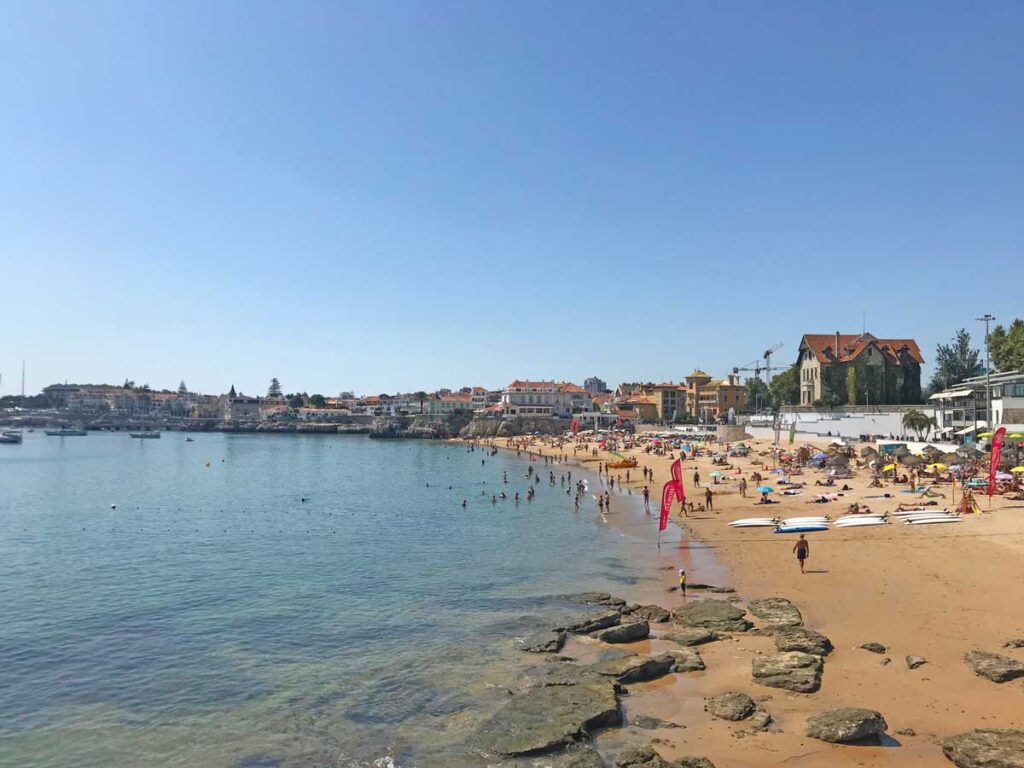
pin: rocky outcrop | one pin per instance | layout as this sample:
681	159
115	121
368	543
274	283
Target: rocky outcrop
624	633
846	724
1017	642
542	642
584	625
986	748
689	637
491	426
646	757
994	667
584	757
731	706
635	668
548	718
803	640
716	615
794	671
420	426
651	723
776	611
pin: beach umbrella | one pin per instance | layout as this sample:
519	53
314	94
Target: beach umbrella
1017	469
888	467
819	456
716	473
838	461
1016	436
765	489
868	451
901	451
913	461
937	466
949	458
1004	476
984	434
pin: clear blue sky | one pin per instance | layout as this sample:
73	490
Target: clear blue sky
395	196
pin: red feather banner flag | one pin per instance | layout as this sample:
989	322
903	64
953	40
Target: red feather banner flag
668	494
997	452
677	479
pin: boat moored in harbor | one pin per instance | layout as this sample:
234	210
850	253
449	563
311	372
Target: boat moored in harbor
147	434
66	432
10	437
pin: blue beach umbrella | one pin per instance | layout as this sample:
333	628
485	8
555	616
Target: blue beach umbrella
765	489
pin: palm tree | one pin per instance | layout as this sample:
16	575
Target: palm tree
918	422
422	397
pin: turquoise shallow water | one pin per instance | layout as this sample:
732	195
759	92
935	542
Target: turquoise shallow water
213	618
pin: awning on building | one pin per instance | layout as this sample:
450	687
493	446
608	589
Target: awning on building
952	394
967	430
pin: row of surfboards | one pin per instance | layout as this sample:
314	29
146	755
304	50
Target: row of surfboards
921	516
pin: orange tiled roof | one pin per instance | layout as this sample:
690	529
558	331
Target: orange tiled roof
852	346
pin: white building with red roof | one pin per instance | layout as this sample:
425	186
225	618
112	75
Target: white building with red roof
544	399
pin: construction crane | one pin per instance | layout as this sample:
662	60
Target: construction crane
754	366
768	362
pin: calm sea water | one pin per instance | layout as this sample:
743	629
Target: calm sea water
216	619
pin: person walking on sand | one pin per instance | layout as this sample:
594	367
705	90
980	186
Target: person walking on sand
696	479
743	487
682	582
647	500
803	551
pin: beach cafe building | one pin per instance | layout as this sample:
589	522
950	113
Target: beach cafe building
962	411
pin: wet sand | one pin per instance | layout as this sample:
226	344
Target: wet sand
932	591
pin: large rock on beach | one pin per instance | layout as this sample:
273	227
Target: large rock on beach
584	625
846	724
584	757
731	706
641	757
548	718
688	637
793	671
542	642
803	640
686	660
913	662
624	633
716	615
986	748
874	647
635	668
994	667
653	613
651	723
776	611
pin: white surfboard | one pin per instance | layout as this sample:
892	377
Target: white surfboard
862	523
930	520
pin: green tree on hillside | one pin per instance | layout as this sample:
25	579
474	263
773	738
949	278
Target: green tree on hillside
955	362
1006	347
274	390
182	389
759	396
318	401
785	387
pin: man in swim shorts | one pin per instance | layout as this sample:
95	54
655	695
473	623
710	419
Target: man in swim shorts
803	551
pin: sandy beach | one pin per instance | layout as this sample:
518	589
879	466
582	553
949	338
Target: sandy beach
932	591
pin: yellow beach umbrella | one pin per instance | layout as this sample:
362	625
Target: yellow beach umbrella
888	467
1016	436
984	434
1017	469
939	466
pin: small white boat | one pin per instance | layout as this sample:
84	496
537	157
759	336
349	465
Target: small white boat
12	437
66	432
801	528
147	434
862	523
755	522
930	520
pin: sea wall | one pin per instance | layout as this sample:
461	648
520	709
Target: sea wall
421	426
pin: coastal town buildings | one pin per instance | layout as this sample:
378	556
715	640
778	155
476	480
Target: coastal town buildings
710	399
668	400
962	410
849	369
595	386
544	399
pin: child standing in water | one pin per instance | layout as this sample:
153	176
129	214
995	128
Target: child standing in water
682	582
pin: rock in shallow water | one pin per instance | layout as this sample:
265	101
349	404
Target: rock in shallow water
543	719
994	667
687	637
651	723
716	615
986	748
653	613
584	625
795	671
624	633
846	724
635	668
542	642
686	660
646	757
802	639
731	706
777	611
